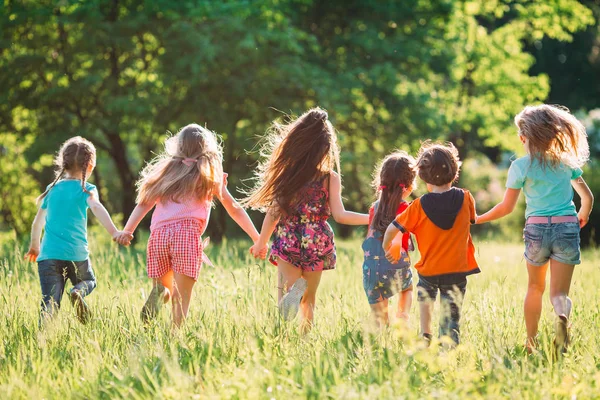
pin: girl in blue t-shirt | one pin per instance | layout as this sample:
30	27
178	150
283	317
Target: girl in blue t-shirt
63	213
557	148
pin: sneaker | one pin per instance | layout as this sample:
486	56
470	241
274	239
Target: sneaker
81	307
153	303
561	329
427	338
290	302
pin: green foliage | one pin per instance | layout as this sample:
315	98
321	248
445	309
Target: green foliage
234	345
391	73
18	189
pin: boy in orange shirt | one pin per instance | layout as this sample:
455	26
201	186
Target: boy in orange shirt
441	221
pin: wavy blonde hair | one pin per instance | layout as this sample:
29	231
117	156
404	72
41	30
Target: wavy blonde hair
189	168
294	154
554	136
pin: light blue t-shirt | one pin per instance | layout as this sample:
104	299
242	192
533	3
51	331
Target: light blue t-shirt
65	236
548	191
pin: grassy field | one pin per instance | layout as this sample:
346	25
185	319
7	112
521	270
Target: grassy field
235	346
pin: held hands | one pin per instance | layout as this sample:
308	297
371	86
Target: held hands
32	254
123	238
259	251
394	251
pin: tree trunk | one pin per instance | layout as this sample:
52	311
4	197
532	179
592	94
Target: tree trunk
119	155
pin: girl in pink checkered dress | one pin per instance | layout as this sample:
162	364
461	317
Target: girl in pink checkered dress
181	183
298	188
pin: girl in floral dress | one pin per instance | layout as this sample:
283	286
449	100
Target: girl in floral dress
298	188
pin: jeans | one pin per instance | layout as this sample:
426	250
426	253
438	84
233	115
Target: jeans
557	241
452	292
54	275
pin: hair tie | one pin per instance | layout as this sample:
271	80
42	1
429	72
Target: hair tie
189	161
402	186
381	187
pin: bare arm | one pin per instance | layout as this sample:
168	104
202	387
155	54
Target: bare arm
36	233
237	213
340	215
587	200
137	215
269	223
100	212
505	207
390	234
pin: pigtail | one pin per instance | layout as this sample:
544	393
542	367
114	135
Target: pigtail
75	154
84	167
395	174
60	174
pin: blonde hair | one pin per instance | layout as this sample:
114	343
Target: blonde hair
189	168
554	136
295	154
75	155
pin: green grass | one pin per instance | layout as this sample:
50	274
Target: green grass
235	346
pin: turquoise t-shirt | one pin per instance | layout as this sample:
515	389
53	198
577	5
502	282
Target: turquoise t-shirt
548	191
65	236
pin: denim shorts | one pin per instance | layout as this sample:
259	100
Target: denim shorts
559	242
380	286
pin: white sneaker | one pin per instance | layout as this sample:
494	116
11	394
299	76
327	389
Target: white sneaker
290	302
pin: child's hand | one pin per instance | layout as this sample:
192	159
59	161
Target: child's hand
123	238
583	219
394	252
259	251
32	254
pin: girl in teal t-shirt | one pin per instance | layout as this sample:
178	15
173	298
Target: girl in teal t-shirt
63	253
557	148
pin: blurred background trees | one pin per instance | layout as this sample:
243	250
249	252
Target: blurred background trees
391	74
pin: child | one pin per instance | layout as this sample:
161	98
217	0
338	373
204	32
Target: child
63	213
181	183
441	221
299	189
557	148
394	182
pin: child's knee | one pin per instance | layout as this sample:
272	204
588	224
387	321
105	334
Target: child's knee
536	287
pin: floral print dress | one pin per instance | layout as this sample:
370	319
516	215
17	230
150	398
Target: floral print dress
304	238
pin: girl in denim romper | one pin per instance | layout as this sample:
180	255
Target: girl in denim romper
556	143
394	182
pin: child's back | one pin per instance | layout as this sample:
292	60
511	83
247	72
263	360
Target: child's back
441	223
65	235
547	189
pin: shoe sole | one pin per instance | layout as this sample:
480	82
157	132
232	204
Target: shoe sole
81	307
290	302
153	303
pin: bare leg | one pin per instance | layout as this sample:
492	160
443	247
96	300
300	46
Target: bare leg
379	311
533	301
560	283
404	304
426	309
182	293
287	276
167	281
307	304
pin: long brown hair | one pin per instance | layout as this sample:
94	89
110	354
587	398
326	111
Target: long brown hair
395	173
294	154
75	155
189	168
554	136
